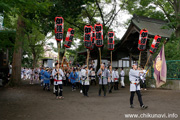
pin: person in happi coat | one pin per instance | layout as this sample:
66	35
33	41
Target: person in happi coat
143	79
122	74
47	76
42	75
58	75
104	77
134	75
85	72
111	83
72	78
116	79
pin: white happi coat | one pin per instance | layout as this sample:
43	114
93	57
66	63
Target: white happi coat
60	76
122	73
111	76
31	73
134	79
85	77
115	76
143	76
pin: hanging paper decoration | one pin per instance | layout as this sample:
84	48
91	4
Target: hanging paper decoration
142	39
99	34
59	28
93	40
155	44
111	40
88	36
69	37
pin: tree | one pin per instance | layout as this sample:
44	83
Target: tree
26	16
35	45
160	9
42	16
96	11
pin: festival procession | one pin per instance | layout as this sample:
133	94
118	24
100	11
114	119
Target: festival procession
92	59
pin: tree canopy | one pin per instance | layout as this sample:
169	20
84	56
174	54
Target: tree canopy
30	21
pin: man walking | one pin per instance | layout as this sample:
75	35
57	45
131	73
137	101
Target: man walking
134	75
104	78
58	75
122	78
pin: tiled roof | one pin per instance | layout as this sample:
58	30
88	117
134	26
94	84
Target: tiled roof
154	26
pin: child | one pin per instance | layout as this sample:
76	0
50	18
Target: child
46	79
72	78
31	75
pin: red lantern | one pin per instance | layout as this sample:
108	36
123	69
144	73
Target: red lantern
59	28
69	37
88	36
155	44
142	39
111	40
99	34
93	40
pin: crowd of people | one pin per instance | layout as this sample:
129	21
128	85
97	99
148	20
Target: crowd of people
82	77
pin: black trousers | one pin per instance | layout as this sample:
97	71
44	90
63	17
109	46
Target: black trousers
143	84
116	85
93	80
78	85
60	86
65	82
85	90
52	81
111	85
103	87
46	85
74	85
139	97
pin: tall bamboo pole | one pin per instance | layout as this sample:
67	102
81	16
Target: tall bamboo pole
58	57
111	64
63	57
147	61
87	62
111	61
100	54
139	62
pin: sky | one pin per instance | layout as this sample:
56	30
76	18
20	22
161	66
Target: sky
117	26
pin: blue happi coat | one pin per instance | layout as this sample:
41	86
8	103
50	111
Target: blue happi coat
42	74
46	77
73	77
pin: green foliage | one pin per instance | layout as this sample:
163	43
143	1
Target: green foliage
81	59
171	49
7	39
160	9
148	8
34	45
173	68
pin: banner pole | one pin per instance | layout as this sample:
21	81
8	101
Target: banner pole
63	57
87	62
58	56
147	61
111	60
100	54
139	62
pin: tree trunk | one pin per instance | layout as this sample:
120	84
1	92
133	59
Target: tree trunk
177	32
34	60
177	12
17	54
